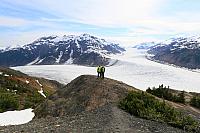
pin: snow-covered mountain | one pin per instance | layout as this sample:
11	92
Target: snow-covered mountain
184	52
83	50
145	45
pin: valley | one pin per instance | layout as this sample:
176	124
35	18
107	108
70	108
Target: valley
132	68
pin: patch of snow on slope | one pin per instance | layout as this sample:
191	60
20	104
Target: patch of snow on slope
69	37
16	117
166	42
33	62
42	92
76	42
70	60
1	73
6	75
27	82
40	61
59	57
38	83
57	39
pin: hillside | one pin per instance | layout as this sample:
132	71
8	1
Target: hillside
82	50
85	93
19	91
89	104
184	52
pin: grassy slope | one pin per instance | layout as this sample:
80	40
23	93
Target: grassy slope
16	93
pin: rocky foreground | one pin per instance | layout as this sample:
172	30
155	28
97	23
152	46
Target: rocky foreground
88	104
108	118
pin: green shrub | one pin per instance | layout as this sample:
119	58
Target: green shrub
33	99
8	101
145	106
180	98
164	92
195	101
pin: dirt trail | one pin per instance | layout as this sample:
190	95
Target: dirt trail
119	122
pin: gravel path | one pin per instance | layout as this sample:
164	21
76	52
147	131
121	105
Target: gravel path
108	118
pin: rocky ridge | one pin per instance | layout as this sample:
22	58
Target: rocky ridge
89	104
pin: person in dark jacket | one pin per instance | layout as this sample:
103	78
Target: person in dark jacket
102	71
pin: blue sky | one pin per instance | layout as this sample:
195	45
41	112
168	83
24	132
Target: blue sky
123	21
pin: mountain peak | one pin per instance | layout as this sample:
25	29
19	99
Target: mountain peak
85	34
47	38
82	50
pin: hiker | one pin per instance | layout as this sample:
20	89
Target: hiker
99	71
102	71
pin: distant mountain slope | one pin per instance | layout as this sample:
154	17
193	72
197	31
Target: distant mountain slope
19	91
184	52
83	50
145	45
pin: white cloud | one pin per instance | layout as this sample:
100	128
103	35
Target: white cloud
117	12
97	12
112	13
142	18
106	13
12	22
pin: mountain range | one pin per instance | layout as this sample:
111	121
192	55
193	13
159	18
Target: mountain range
183	52
82	50
145	45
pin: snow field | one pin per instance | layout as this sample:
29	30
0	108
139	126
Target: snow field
16	117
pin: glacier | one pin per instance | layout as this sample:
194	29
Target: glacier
131	68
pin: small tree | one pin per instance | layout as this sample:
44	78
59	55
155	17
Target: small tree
195	101
165	93
181	97
148	90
